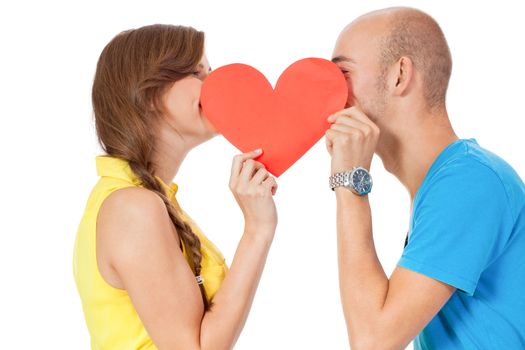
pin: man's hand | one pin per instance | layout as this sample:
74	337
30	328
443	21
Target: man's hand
351	140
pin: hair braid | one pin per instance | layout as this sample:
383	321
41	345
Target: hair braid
134	70
190	240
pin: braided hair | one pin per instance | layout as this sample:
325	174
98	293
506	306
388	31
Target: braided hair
133	72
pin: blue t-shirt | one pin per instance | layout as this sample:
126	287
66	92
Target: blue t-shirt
467	229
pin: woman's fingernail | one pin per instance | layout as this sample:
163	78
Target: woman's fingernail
258	150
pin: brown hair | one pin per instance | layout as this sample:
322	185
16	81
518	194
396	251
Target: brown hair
134	71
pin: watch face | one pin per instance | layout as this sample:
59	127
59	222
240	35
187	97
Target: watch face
361	181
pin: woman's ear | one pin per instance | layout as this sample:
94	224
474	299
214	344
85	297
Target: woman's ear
402	75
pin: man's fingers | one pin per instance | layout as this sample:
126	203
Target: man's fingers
344	112
331	136
355	118
353	113
350	122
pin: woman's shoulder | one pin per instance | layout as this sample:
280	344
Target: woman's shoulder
130	207
136	217
132	200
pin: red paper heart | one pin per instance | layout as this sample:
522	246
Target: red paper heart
285	122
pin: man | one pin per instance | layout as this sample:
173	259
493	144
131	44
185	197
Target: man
460	281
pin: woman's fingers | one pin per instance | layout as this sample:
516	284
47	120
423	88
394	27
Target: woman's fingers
271	184
247	172
239	159
249	168
260	176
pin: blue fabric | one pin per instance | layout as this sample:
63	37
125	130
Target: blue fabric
467	229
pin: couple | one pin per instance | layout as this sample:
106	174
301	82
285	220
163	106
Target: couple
149	279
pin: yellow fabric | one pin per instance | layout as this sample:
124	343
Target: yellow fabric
112	321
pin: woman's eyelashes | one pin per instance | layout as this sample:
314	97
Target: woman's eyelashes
200	73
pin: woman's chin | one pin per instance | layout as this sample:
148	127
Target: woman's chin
210	133
214	133
209	126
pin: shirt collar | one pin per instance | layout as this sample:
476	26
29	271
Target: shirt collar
119	168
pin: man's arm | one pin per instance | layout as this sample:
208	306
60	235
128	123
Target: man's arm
380	313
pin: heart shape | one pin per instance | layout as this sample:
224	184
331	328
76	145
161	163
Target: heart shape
286	122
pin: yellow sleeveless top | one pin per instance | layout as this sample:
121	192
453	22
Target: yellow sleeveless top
112	321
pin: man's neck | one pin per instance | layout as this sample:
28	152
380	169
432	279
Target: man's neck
409	154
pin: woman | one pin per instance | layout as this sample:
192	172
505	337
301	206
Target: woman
147	277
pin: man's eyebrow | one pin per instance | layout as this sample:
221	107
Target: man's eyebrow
342	59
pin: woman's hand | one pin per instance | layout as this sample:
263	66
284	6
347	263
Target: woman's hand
253	188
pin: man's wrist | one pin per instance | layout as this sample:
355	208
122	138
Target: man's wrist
344	195
356	180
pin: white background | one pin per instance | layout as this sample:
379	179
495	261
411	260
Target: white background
48	56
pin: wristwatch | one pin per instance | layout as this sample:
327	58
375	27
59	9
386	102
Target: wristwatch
357	180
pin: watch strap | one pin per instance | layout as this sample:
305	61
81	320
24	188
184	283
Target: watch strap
338	179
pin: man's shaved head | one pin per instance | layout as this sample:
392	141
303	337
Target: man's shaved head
369	47
414	34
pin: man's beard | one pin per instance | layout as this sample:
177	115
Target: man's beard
375	106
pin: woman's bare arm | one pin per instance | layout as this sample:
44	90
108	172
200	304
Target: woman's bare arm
135	230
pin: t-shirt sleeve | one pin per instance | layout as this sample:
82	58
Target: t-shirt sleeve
456	224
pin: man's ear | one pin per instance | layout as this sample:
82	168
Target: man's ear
402	75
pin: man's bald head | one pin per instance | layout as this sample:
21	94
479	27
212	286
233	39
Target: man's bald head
414	34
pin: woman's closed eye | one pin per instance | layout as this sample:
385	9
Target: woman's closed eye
200	72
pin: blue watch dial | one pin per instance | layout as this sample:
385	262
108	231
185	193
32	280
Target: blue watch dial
362	182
